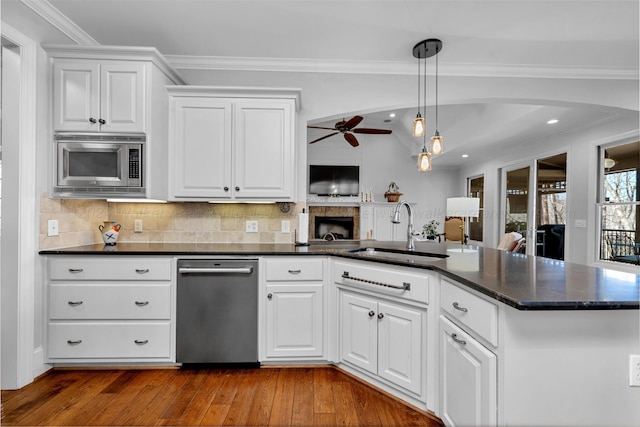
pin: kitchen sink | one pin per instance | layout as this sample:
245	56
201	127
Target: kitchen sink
397	254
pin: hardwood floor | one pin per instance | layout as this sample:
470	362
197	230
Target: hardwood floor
322	396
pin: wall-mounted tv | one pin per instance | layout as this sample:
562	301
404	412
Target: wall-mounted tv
330	180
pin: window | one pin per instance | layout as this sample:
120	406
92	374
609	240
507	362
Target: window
476	189
618	203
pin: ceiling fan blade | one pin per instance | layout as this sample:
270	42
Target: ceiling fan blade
372	131
320	127
351	139
324	137
353	122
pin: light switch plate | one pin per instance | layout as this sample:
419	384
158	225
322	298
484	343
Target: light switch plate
251	226
634	370
137	226
52	227
581	223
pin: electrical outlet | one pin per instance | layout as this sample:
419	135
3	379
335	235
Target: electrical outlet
285	226
52	227
581	223
251	226
137	226
634	370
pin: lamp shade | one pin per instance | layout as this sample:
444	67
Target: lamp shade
463	206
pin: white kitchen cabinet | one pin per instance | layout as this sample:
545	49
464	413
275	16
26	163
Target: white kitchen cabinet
383	338
231	144
468	369
382	325
468	379
110	309
99	96
292	302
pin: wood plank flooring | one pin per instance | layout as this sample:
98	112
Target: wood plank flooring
318	396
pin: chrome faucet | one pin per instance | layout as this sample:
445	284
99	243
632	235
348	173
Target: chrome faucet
396	220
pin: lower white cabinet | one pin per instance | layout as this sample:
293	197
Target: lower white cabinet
292	302
383	338
110	309
468	380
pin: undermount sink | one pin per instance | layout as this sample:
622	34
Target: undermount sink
397	254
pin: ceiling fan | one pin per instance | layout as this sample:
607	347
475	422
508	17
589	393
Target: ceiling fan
347	129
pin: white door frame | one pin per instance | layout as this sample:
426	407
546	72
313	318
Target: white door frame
531	201
19	237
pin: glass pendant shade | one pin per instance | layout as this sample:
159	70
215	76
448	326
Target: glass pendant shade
418	125
437	144
424	161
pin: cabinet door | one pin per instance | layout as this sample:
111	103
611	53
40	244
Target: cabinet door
400	345
468	379
294	321
263	150
76	95
201	141
359	331
122	97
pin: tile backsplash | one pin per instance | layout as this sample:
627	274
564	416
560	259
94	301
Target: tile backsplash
78	222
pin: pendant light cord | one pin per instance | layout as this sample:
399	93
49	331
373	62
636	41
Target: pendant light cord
425	96
437	89
418	84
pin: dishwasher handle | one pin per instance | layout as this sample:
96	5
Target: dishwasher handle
215	270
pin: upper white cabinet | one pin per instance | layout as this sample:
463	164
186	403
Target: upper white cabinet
98	96
232	143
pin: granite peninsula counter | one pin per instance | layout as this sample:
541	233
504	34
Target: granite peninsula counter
523	282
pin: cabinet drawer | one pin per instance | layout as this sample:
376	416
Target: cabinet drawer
109	268
109	340
88	301
294	270
371	276
470	310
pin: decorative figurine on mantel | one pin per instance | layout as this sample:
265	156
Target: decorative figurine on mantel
393	193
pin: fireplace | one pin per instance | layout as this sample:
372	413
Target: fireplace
334	222
334	227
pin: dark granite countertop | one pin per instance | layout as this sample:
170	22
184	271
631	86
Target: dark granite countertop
523	282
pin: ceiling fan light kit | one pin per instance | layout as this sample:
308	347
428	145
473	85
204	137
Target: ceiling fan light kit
423	50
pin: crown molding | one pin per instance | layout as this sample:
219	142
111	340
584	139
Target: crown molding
66	26
293	65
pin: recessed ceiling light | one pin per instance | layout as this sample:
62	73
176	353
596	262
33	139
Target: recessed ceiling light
552	121
465	156
392	115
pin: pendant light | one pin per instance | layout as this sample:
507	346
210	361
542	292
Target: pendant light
437	142
423	50
418	122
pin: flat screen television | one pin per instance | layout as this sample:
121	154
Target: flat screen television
329	180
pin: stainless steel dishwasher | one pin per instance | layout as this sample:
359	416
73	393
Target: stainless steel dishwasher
217	311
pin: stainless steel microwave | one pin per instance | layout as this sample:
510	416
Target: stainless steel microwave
99	165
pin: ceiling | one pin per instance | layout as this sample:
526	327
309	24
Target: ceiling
512	38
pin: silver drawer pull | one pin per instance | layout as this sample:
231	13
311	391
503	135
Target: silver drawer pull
74	342
76	270
405	285
142	270
142	303
141	342
295	271
457	307
456	339
74	303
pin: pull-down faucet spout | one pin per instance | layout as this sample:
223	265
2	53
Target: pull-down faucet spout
396	220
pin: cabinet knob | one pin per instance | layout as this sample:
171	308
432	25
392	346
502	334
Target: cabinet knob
92	120
456	339
237	188
457	307
269	296
141	342
142	303
380	315
226	188
74	303
74	342
371	313
102	121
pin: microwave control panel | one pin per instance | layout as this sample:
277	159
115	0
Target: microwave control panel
134	164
